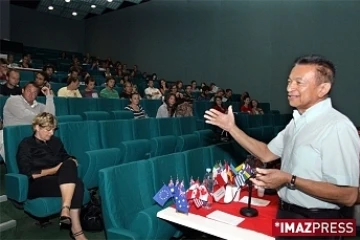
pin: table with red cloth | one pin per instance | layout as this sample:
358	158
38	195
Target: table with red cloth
259	227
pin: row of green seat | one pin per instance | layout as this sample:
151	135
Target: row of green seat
76	106
135	139
129	210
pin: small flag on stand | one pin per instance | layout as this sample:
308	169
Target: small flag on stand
181	202
163	195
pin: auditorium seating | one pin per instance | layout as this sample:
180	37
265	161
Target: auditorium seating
126	190
16	185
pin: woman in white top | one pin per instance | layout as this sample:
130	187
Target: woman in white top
168	108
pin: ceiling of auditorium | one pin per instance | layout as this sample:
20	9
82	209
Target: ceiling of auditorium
77	9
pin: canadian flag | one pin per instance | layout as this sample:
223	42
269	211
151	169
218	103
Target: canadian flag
191	194
222	178
204	195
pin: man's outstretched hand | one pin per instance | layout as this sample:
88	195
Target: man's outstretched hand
216	118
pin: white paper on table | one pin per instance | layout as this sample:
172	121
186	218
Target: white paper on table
231	194
225	218
255	201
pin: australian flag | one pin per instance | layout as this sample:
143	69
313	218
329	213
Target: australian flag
181	202
163	195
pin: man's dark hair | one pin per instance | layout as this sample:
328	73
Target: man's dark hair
71	80
325	68
228	90
44	74
109	78
205	88
30	83
48	66
88	80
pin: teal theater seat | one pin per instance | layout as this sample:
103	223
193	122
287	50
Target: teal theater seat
80	105
128	209
145	128
113	132
168	126
197	161
107	104
16	184
69	118
61	106
187	125
95	115
78	138
151	106
163	145
121	114
187	142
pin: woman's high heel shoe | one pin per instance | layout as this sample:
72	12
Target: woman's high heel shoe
74	235
64	220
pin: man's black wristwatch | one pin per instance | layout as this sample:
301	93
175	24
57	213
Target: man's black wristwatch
291	185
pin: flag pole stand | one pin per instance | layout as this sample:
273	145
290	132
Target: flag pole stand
249	211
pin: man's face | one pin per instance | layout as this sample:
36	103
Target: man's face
111	83
228	94
128	88
91	85
13	78
74	74
49	71
39	80
30	93
303	90
151	83
74	85
188	89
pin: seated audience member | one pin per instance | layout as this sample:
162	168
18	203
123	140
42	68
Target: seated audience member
151	92
11	86
89	91
71	90
107	73
135	90
10	60
244	95
255	109
163	87
168	108
25	62
219	93
41	80
228	95
179	86
175	91
21	109
194	87
187	92
121	82
135	107
213	88
128	90
49	69
109	91
204	96
247	106
3	69
218	105
74	73
52	172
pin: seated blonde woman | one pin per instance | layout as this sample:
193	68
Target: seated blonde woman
135	107
52	172
255	109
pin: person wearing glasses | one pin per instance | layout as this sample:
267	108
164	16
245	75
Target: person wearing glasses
52	172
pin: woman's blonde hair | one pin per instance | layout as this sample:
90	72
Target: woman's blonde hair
45	120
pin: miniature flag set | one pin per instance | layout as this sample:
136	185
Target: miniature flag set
220	185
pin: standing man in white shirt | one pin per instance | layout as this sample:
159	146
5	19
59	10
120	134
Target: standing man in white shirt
319	148
151	92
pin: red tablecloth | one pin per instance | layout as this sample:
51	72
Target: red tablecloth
262	223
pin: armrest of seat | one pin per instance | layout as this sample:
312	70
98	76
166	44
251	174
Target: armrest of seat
187	142
121	233
97	160
134	150
16	187
163	145
206	137
149	226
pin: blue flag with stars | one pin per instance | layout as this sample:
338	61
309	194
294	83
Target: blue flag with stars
181	202
163	195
